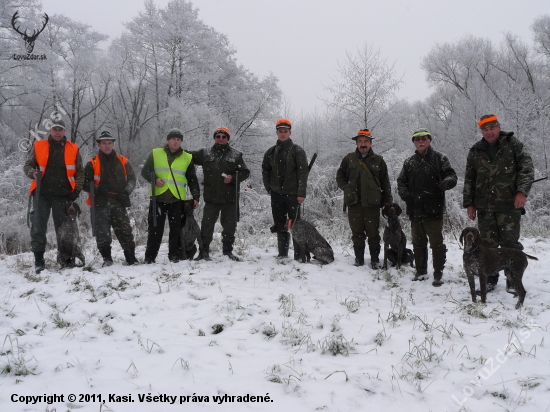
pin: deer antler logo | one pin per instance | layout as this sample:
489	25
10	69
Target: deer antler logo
29	40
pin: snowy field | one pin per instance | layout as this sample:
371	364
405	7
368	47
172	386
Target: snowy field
298	337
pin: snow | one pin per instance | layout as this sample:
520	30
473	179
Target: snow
148	330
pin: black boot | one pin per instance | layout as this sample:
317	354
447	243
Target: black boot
130	256
39	264
440	255
359	255
421	262
206	254
227	250
374	254
106	255
283	239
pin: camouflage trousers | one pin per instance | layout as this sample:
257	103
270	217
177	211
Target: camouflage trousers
364	223
424	229
500	228
228	221
38	231
114	215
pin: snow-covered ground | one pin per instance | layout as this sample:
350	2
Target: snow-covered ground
300	336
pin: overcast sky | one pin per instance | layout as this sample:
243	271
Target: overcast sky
302	41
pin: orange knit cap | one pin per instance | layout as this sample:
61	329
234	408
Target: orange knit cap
222	130
283	124
485	120
363	133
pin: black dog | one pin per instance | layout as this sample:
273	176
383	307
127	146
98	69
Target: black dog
395	241
480	261
68	238
309	240
189	232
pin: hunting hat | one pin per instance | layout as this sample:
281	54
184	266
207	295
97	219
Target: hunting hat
487	121
105	135
283	124
174	133
363	133
58	123
422	132
222	130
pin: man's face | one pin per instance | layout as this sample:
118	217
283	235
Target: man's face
363	145
422	143
57	133
106	146
491	134
220	138
174	143
283	134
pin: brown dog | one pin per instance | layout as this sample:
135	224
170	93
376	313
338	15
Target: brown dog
395	241
480	261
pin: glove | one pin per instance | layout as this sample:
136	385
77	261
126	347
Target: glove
74	195
445	185
123	198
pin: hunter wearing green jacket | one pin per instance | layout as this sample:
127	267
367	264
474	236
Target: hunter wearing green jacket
220	164
284	174
363	176
422	183
499	175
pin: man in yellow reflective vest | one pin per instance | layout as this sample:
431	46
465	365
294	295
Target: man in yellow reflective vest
174	174
114	180
60	165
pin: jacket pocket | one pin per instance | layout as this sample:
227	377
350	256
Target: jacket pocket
350	197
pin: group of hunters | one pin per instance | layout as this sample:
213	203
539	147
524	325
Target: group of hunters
498	178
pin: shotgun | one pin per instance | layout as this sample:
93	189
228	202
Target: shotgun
154	198
92	206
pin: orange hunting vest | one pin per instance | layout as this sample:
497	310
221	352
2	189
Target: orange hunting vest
42	152
97	172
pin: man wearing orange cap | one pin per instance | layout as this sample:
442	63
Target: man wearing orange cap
62	176
499	175
363	176
284	174
220	164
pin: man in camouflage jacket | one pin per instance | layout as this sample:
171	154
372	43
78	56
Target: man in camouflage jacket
220	164
114	181
422	183
363	176
499	175
284	173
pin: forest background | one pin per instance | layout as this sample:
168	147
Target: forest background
169	69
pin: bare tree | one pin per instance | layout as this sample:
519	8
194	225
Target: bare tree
365	89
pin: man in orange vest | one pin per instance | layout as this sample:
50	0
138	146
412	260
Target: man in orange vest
174	172
60	164
114	180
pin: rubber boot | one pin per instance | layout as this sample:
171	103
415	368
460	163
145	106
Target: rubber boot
106	255
39	264
228	251
374	256
421	262
283	239
359	255
439	258
206	254
130	256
